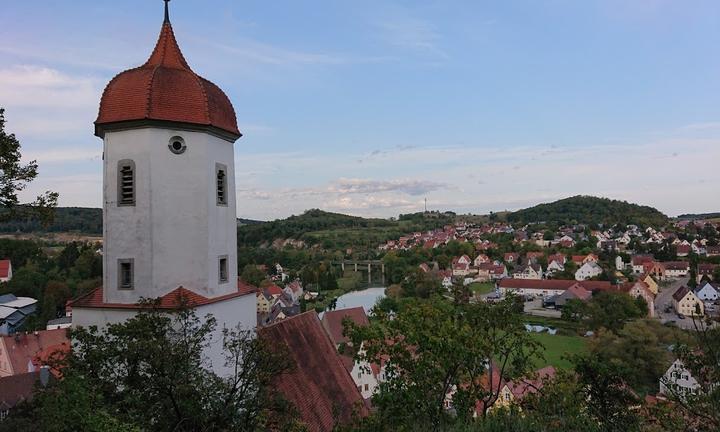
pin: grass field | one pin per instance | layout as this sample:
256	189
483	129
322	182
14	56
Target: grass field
482	287
556	347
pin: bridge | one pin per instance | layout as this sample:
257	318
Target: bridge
363	265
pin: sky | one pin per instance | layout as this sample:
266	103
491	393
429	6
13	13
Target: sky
369	108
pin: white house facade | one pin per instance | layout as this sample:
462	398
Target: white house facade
588	270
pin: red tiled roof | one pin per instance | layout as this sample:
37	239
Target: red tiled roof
681	293
333	322
554	284
319	386
165	89
525	386
4	268
171	300
17	388
36	347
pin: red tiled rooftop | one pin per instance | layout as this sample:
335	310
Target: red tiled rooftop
171	300
4	268
333	322
36	348
165	89
319	386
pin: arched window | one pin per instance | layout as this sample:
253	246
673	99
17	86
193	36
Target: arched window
221	181
126	183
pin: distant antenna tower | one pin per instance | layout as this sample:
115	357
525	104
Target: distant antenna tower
425	205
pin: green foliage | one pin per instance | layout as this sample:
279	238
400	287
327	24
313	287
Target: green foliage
640	350
149	373
605	309
590	210
434	346
252	275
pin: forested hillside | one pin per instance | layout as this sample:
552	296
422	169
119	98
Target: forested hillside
67	219
590	210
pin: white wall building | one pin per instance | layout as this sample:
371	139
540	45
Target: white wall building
588	270
678	380
169	208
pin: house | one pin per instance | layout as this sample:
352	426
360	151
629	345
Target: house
530	271
332	322
678	380
27	352
294	289
463	260
264	301
496	271
481	259
708	291
59	323
366	375
460	269
15	389
424	267
706	271
575	291
619	263
683	250
319	387
446	277
588	270
546	287
554	267
637	262
641	289
650	282
560	258
5	270
566	241
676	269
654	269
582	259
712	251
534	256
686	302
511	257
14	311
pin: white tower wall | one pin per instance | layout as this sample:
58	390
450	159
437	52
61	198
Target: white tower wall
176	232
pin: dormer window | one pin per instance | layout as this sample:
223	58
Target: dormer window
221	184
126	183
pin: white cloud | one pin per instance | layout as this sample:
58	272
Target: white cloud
37	86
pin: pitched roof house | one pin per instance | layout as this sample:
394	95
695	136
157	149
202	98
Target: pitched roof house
333	320
27	352
687	303
319	386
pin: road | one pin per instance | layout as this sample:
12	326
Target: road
664	299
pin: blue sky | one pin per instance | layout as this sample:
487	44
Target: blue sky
369	107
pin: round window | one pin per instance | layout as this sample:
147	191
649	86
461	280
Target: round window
177	145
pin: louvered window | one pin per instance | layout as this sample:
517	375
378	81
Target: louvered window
221	182
126	183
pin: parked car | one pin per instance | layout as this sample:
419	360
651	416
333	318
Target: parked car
681	316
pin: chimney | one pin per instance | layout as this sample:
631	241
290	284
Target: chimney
44	375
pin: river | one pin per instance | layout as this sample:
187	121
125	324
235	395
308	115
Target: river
365	298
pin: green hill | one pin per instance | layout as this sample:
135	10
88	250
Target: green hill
81	220
590	210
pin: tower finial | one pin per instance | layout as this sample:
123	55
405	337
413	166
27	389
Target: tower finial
167	13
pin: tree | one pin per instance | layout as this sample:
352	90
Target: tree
252	275
640	350
15	176
149	372
611	310
716	273
433	348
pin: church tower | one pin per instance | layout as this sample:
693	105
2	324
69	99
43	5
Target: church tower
168	190
169	218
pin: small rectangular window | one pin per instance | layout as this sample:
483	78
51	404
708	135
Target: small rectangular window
126	274
223	269
126	183
221	181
